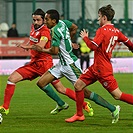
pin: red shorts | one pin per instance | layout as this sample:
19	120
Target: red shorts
34	69
89	76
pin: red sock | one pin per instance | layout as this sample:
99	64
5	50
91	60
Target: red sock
71	94
79	102
9	91
128	98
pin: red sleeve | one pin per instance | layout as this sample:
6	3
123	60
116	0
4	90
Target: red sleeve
46	32
94	44
126	41
89	43
129	44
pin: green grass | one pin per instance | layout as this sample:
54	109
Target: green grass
30	108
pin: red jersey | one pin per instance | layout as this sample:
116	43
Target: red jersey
35	36
103	44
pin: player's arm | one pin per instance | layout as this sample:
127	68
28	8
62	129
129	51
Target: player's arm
53	50
84	35
72	28
23	45
129	44
126	41
41	44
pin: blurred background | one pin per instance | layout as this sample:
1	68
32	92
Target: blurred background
84	13
81	12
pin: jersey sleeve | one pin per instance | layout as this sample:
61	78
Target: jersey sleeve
122	37
45	35
98	39
68	23
55	38
125	40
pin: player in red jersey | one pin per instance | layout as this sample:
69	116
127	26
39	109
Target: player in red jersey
40	62
101	70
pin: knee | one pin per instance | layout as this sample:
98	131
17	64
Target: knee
39	84
77	87
116	97
11	79
116	94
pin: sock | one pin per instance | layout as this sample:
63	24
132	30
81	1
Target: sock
71	94
102	102
79	102
51	93
9	91
128	98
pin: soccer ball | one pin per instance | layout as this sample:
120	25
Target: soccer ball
1	118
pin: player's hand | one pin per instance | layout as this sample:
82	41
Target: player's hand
37	48
25	47
83	33
18	44
75	45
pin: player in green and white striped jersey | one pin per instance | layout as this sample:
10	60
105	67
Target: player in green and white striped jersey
68	66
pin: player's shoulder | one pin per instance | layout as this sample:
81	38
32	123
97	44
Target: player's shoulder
45	28
56	28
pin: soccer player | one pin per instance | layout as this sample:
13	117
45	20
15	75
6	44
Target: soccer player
101	70
68	65
40	63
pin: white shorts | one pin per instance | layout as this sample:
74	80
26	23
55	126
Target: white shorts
71	71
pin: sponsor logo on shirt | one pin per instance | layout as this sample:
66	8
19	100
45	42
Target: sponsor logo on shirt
33	39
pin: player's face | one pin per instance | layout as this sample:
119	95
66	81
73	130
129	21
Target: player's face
37	21
100	19
49	22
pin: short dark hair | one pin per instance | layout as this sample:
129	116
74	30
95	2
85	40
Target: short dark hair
39	12
54	14
108	11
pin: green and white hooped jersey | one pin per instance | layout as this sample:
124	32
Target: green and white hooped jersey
61	38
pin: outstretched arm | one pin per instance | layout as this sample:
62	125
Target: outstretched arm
52	50
129	44
84	35
41	44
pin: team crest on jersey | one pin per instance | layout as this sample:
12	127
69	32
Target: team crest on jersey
105	84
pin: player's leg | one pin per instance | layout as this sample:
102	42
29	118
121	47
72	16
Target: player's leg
118	95
43	83
9	91
98	100
111	85
44	67
79	116
89	78
71	94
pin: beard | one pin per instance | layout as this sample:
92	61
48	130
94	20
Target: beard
36	26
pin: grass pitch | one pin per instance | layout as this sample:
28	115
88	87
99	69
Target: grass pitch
30	110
